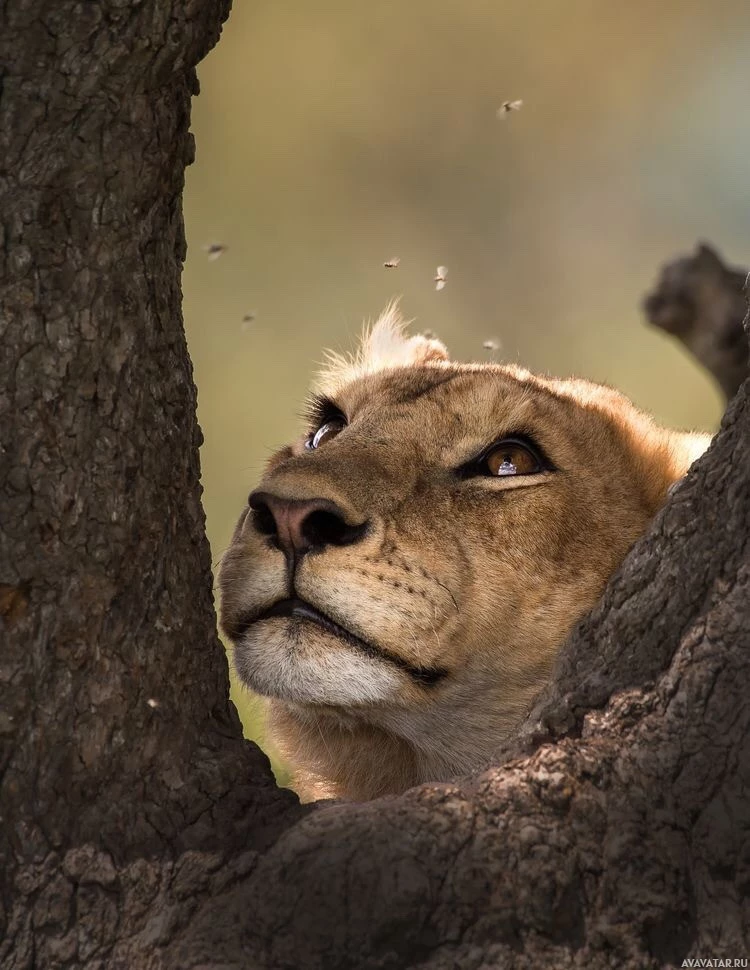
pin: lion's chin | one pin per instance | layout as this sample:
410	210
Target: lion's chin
295	658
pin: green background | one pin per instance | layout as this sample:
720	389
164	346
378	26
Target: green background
332	136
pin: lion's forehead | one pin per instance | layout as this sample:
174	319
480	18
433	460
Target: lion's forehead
451	404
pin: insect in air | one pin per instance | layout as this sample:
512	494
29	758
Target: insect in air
247	319
507	106
214	250
392	263
493	345
441	273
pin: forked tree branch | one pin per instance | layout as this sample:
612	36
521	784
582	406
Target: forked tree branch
137	829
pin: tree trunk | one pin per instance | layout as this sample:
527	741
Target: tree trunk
138	829
114	721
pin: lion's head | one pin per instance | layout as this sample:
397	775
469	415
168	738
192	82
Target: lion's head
405	572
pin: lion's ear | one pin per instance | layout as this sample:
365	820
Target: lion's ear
661	457
384	345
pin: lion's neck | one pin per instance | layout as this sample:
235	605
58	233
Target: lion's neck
333	759
346	757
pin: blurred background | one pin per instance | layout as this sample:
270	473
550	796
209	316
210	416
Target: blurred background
333	136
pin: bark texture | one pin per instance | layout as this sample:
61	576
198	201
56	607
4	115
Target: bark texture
114	723
138	830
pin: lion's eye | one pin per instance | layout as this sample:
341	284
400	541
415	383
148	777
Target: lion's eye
324	433
510	457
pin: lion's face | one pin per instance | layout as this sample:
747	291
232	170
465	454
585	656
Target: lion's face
415	559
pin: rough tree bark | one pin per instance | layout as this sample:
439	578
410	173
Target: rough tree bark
114	722
138	830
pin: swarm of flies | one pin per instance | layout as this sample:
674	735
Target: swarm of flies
215	250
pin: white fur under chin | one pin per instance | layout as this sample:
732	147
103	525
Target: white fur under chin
275	660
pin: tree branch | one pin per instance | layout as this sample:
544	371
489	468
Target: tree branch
137	828
701	301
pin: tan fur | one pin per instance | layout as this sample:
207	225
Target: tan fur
482	577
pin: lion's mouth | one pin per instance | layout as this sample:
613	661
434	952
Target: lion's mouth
296	608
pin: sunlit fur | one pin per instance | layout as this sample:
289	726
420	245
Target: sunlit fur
481	577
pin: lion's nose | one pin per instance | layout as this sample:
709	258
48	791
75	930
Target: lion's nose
300	526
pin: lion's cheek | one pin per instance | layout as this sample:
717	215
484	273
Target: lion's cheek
417	628
250	579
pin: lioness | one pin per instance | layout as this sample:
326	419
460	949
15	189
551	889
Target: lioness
404	574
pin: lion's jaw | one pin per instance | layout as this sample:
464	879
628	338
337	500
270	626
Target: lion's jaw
406	672
412	653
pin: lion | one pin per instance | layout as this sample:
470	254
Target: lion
403	576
